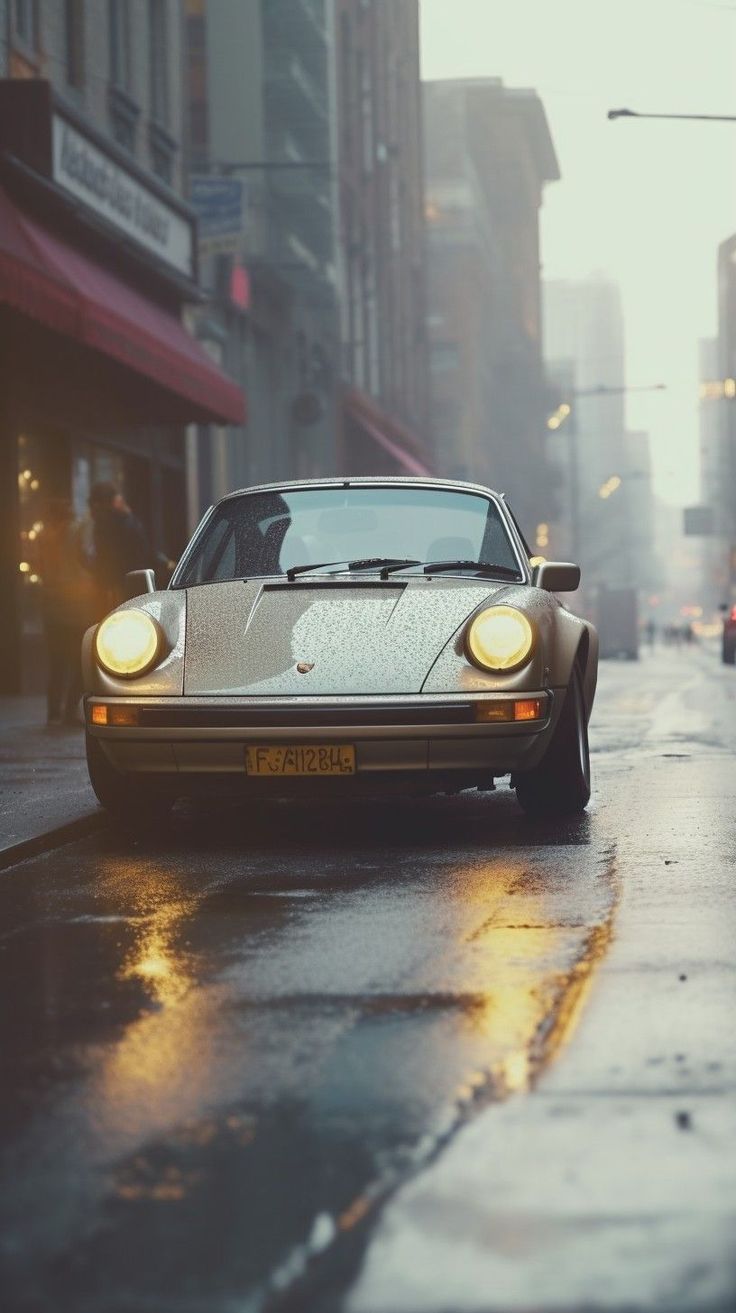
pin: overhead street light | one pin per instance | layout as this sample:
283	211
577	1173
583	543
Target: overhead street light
699	118
564	410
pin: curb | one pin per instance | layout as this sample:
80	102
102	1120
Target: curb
56	838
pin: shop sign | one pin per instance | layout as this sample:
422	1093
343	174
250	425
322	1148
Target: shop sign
219	206
698	521
80	167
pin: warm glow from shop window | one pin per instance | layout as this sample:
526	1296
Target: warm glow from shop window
24	567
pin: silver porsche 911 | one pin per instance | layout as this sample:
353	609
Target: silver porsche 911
344	636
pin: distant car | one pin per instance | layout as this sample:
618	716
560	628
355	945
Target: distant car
728	650
340	637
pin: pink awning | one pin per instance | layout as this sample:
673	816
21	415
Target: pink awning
43	277
391	436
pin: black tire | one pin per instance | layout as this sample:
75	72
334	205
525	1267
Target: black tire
560	784
132	804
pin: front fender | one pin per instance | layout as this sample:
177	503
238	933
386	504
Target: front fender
559	636
574	636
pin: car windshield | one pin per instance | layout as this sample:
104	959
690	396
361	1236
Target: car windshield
268	533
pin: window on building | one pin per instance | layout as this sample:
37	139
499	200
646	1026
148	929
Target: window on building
74	42
158	61
25	22
445	355
120	53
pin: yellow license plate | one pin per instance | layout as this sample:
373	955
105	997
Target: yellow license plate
307	759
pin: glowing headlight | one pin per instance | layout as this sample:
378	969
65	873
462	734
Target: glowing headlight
128	643
500	638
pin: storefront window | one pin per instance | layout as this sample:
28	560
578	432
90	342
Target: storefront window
159	61
120	43
25	22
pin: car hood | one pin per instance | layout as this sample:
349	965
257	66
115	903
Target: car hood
368	637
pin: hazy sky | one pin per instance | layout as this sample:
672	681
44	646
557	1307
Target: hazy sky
645	202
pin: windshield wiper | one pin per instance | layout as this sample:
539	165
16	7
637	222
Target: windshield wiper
488	567
436	567
362	563
294	570
385	563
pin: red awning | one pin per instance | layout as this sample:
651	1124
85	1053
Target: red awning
391	436
44	278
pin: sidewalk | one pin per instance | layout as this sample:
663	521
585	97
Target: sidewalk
609	1187
45	793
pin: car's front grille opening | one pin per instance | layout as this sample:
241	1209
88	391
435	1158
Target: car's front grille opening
213	717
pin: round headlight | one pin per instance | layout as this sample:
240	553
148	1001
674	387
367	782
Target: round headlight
128	643
500	638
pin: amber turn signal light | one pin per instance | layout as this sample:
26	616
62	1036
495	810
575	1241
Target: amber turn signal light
528	709
510	709
490	711
114	715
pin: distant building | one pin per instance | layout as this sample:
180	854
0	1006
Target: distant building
715	472
726	503
98	260
489	155
260	121
607	499
378	144
313	107
584	323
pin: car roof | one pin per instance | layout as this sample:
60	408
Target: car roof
366	481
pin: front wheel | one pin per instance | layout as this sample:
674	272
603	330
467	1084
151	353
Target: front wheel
127	800
560	784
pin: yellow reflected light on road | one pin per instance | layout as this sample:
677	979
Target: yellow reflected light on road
531	971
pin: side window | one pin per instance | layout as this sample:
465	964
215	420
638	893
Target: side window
496	545
216	557
518	528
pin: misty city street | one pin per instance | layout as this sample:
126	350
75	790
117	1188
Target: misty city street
242	1060
367	656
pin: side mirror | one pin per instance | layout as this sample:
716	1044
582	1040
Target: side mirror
139	581
557	576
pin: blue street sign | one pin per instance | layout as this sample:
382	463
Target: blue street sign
218	203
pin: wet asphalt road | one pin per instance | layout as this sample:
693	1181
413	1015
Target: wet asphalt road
222	1051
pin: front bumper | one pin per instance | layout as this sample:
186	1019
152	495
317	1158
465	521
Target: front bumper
185	740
